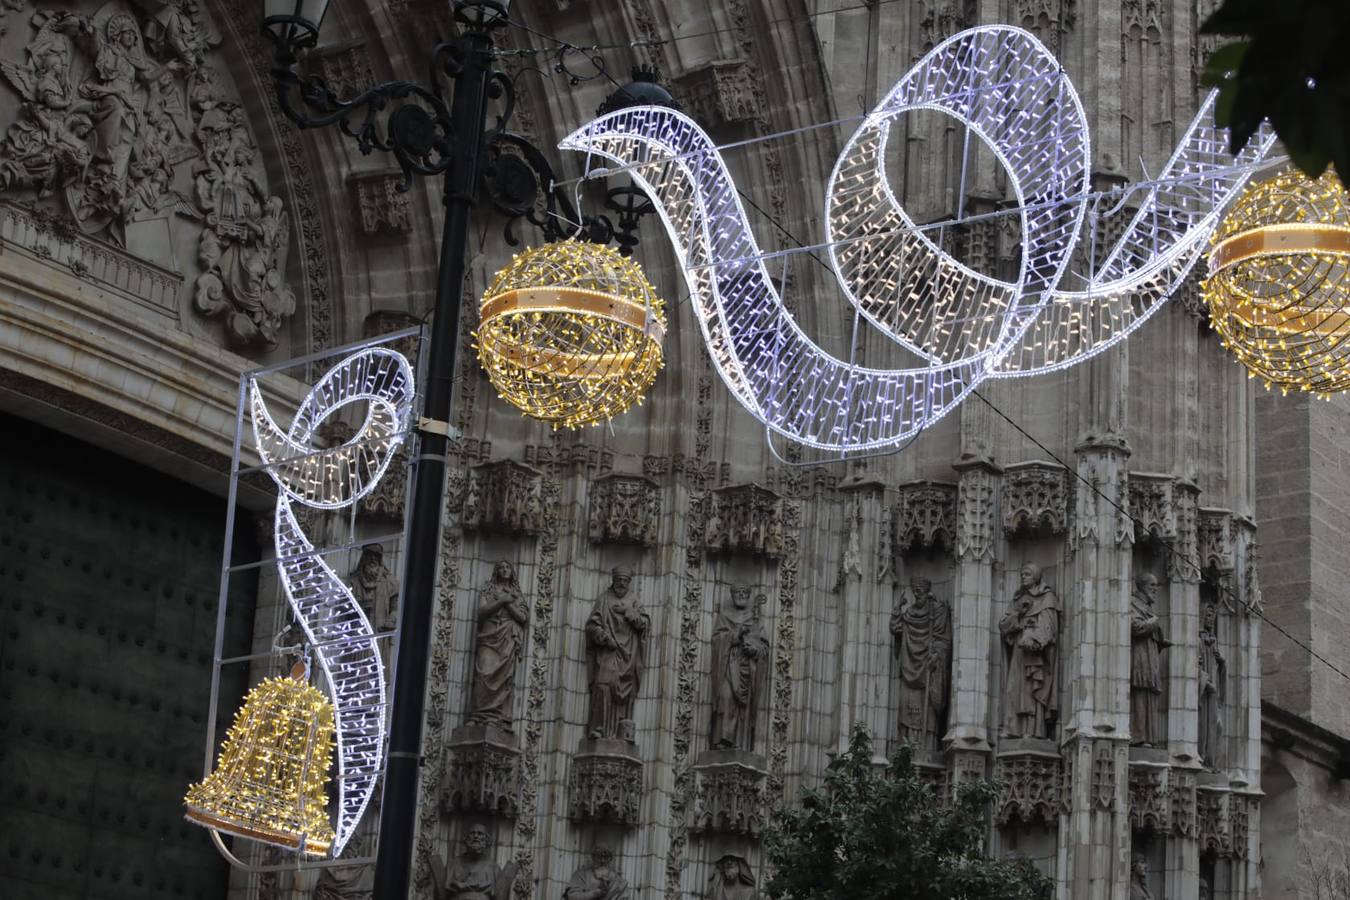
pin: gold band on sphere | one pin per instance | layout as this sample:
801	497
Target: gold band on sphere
571	333
1279	239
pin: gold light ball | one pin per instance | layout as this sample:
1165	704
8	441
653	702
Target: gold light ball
1279	276
571	333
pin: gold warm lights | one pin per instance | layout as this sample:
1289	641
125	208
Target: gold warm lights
571	333
269	783
1279	276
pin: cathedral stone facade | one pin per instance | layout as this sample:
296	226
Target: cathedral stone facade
650	635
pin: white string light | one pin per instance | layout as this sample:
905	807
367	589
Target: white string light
1007	88
334	478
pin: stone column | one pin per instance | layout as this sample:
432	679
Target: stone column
967	739
1095	834
1244	705
865	607
1182	877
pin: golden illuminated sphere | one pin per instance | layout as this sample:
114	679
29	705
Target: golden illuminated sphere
269	783
1279	275
571	333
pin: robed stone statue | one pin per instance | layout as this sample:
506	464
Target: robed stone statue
1030	631
921	626
1139	879
474	875
374	588
1213	688
732	879
597	880
616	640
740	651
502	617
1148	724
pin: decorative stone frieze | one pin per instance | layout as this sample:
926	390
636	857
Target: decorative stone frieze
624	509
924	517
483	776
1215	535
1028	774
1152	506
1035	499
605	782
381	203
729	792
720	93
744	518
504	496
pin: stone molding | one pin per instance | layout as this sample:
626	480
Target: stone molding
624	509
745	518
605	783
1036	499
729	792
504	496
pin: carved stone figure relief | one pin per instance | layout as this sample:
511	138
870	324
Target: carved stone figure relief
740	658
732	879
597	879
1030	631
921	627
474	875
1148	680
502	618
1213	688
1139	879
616	641
375	589
125	126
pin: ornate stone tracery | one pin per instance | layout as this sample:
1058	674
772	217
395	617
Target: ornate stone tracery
924	516
746	519
624	509
504	496
1035	499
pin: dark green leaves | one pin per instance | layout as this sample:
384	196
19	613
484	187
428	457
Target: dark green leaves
1291	65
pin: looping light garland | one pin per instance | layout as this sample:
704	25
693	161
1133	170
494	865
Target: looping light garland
1010	91
335	478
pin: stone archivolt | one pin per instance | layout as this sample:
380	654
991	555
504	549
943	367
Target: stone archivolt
124	126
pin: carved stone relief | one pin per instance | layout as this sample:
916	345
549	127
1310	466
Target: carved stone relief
1212	810
1029	788
1139	878
1030	632
1181	796
1152	507
504	496
604	783
1148	676
1150	799
597	879
483	776
729	793
124	126
975	511
1104	777
744	519
1035	499
732	879
474	874
921	629
1215	535
374	587
924	517
625	509
380	203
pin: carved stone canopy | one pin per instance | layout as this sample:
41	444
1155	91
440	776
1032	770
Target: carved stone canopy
504	496
1215	529
720	93
1162	796
380	202
604	783
1153	506
729	792
1029	773
744	518
924	517
625	509
483	776
1035	499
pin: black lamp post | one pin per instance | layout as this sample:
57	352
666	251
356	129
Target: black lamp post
428	137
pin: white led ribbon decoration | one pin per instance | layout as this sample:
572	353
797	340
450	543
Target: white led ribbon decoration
780	375
334	478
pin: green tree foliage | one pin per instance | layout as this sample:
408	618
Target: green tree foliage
879	833
1290	66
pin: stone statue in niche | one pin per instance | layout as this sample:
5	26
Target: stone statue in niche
921	626
1030	631
1213	687
1148	726
502	617
113	104
1139	879
616	639
740	650
597	879
474	875
732	879
374	588
1205	893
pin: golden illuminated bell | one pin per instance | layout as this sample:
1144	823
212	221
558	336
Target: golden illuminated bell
570	333
1279	276
269	784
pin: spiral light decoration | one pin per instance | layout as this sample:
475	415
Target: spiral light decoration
571	333
1279	276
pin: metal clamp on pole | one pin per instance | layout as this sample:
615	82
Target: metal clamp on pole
436	426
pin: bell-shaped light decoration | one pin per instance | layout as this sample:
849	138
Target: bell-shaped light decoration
269	784
1279	284
571	333
294	24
